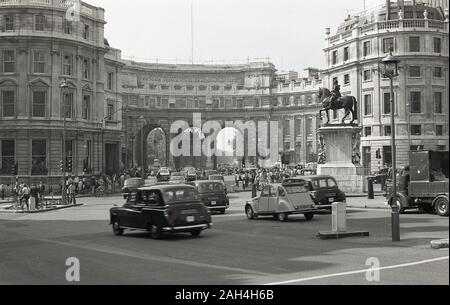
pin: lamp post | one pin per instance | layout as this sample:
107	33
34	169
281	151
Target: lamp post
142	143
63	87
389	69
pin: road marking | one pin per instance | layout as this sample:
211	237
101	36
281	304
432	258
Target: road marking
358	271
123	252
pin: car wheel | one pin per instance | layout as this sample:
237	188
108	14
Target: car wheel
117	230
156	231
196	233
250	213
441	206
309	216
283	217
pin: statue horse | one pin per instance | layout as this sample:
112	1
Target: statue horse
348	103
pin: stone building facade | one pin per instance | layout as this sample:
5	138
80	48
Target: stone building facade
40	49
418	35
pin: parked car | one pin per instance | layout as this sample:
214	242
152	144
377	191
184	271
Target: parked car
177	177
324	189
163	175
130	185
282	200
212	195
162	209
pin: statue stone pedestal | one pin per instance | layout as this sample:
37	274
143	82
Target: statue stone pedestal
341	143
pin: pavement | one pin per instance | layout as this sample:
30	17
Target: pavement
236	251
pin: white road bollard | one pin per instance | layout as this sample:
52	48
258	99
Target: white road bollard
339	217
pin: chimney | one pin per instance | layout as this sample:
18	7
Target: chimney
388	9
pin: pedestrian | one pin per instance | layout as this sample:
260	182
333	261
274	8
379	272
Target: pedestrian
2	191
25	197
71	193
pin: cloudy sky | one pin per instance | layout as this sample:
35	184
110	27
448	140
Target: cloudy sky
290	32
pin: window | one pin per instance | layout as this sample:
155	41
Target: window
437	72
414	44
416	147
334	57
165	87
67	65
416	102
437	45
39	62
110	112
368	131
298	127
367	48
9	23
86	115
86	32
368	104
347	79
39	104
416	130
68	105
228	88
215	88
202	88
39	157
177	87
86	69
414	71
9	61
346	54
387	131
438	103
387	103
439	130
367	75
388	45
8	103
7	156
67	26
39	23
287	128
441	147
110	80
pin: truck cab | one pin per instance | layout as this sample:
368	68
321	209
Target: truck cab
423	183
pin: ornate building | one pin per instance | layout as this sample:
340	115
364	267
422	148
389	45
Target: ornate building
41	48
418	35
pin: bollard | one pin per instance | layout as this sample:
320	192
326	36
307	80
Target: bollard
338	217
254	190
370	187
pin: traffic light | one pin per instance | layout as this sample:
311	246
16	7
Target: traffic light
69	165
14	169
61	165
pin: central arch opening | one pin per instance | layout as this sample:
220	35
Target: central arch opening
155	154
227	142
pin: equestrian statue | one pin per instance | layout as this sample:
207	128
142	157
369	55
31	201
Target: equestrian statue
333	100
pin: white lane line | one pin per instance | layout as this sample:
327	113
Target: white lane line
358	271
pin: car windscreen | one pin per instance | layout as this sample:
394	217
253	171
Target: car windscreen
218	178
210	187
180	196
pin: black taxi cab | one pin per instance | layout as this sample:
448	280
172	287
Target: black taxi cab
213	194
162	209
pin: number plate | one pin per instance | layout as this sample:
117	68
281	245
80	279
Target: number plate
331	200
213	202
190	219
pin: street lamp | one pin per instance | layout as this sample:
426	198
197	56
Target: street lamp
389	69
63	85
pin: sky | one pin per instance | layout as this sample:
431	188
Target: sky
289	32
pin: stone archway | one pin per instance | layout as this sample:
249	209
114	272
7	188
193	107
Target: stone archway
151	144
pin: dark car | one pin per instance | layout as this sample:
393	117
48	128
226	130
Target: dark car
130	185
212	195
324	189
162	209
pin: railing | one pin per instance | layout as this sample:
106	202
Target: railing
387	25
414	23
